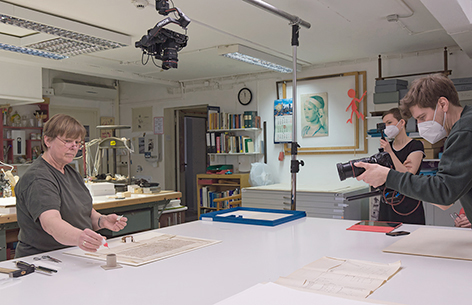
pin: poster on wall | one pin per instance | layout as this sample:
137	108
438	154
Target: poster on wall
106	120
283	113
339	130
159	125
142	119
315	115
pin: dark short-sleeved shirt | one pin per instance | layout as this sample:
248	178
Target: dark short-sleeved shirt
409	205
44	188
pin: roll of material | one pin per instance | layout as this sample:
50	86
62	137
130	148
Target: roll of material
111	260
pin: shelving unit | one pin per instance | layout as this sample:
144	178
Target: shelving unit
237	132
30	143
218	183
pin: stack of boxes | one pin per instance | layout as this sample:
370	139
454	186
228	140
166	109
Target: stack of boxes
463	87
388	93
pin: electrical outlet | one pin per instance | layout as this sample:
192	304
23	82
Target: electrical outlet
48	91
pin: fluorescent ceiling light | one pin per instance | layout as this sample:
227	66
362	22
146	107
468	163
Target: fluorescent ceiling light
255	57
55	35
29	51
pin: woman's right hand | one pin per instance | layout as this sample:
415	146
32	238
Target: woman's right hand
89	240
386	146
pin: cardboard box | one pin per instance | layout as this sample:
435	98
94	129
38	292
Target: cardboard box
101	188
389	88
426	144
387	97
432	153
392	81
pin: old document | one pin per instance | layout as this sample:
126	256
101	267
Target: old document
146	248
342	277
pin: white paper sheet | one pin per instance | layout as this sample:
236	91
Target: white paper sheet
274	294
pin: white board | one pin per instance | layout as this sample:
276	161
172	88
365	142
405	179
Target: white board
444	243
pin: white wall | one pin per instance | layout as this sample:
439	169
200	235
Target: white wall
318	169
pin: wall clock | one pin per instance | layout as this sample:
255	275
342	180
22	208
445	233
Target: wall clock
244	96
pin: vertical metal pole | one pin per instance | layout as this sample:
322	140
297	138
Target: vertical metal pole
294	119
379	64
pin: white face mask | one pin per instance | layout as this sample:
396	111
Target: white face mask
432	131
392	131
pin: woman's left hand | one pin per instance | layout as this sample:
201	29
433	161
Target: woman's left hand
113	222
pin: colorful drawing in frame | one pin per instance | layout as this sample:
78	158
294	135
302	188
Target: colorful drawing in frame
315	115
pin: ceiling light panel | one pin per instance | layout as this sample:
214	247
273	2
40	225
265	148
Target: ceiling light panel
65	37
256	57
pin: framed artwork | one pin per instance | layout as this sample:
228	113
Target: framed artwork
106	120
328	120
314	107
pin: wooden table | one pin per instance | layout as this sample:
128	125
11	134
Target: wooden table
142	210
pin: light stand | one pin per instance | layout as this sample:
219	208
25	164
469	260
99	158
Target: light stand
295	22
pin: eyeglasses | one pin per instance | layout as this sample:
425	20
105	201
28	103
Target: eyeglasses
71	143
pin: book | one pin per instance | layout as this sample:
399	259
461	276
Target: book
249	145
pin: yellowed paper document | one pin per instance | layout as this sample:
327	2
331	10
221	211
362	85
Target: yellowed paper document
349	278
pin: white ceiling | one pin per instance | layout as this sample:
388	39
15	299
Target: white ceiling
340	30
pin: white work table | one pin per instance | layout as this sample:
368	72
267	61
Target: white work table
247	255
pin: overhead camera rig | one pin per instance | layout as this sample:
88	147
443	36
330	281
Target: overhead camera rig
163	44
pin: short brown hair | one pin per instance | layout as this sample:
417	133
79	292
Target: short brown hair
63	125
395	112
426	91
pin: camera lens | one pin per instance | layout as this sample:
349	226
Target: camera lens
348	170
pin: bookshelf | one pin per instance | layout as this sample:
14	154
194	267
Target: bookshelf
230	134
24	131
218	184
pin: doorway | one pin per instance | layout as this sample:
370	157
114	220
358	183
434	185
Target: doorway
185	148
195	160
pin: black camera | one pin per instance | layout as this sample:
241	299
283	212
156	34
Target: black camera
164	46
348	170
162	43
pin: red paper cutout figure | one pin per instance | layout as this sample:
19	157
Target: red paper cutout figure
352	94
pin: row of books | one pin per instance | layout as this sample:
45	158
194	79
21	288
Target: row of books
207	196
227	142
222	120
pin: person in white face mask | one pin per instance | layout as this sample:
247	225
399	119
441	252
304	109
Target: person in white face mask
406	154
433	101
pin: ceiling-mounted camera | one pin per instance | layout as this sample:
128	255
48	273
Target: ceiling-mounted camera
163	44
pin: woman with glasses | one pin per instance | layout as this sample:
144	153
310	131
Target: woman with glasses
54	207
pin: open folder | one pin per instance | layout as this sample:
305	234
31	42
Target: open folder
375	226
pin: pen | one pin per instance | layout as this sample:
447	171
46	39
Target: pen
118	218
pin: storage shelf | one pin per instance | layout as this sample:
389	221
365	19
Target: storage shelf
234	154
235	129
17	127
240	180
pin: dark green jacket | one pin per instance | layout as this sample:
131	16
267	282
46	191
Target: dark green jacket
454	178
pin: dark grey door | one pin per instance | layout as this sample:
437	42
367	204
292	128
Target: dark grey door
195	160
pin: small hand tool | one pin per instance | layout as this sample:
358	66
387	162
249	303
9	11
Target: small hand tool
28	267
14	272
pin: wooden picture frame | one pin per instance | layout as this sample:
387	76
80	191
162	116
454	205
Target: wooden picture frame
343	138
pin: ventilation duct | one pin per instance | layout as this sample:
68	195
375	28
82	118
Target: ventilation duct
83	90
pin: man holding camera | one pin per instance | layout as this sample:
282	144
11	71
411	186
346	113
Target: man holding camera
433	101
